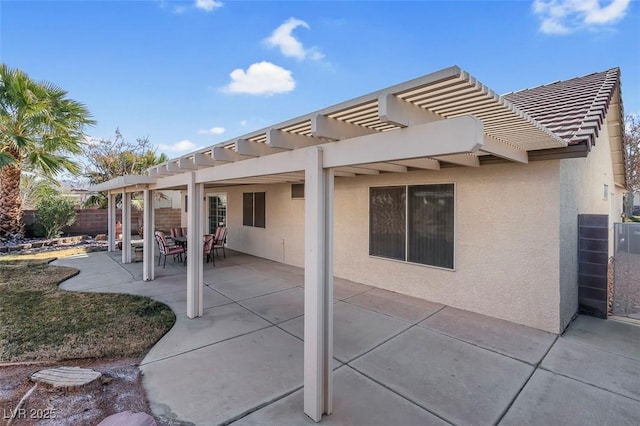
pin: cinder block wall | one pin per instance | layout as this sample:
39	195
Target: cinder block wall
94	221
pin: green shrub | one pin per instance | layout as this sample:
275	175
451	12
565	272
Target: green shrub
54	213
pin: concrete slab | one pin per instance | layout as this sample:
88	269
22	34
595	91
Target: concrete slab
400	306
343	289
355	330
459	382
217	324
523	343
224	381
66	378
251	287
357	401
595	366
177	300
550	399
84	282
278	307
613	336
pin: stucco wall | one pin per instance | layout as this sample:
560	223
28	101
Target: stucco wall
507	240
282	239
582	183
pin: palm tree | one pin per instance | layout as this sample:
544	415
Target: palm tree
39	128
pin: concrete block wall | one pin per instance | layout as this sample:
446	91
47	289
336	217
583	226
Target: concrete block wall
94	221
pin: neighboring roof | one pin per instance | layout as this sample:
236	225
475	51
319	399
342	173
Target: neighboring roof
573	109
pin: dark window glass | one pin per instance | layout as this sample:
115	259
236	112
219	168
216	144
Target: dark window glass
297	190
247	209
387	222
259	210
431	217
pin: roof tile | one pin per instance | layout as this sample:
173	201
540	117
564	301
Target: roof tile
573	109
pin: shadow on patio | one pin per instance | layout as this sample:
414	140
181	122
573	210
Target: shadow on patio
398	359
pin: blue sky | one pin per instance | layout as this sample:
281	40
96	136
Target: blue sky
190	74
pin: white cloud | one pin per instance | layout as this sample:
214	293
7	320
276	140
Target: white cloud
208	5
261	78
243	123
283	39
212	131
181	146
566	16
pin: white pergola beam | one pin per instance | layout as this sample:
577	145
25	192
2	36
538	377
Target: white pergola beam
177	180
420	163
394	110
285	140
503	150
153	172
148	263
452	136
219	153
195	228
466	160
318	286
254	149
385	167
163	170
186	163
173	167
330	128
201	159
126	227
358	170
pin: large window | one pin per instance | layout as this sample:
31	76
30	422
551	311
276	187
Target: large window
253	209
413	223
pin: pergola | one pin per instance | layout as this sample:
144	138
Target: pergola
442	119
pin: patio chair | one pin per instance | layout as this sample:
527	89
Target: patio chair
166	249
176	232
219	239
207	248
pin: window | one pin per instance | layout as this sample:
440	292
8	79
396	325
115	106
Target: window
297	191
413	223
253	209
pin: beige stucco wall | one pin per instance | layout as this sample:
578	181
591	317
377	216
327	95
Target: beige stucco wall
282	239
507	240
582	191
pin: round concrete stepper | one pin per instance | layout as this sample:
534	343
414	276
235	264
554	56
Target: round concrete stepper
67	378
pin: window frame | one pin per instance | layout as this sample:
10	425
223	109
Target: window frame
406	239
253	209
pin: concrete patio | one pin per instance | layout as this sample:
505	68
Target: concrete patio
398	360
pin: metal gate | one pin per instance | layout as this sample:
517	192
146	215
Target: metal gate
626	270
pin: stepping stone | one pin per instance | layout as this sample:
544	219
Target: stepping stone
128	418
66	378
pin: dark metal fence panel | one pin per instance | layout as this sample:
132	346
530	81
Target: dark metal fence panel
593	257
626	270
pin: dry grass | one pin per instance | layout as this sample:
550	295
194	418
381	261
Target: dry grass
38	321
45	255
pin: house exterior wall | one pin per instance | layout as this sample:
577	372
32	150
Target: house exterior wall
507	240
582	191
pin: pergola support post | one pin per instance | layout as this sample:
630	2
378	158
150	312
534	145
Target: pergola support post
126	227
195	222
318	290
148	263
111	221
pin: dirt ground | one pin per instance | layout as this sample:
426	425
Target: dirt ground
120	390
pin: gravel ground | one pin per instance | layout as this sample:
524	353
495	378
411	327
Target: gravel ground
626	293
120	390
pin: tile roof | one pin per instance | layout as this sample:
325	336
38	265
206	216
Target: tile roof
572	109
